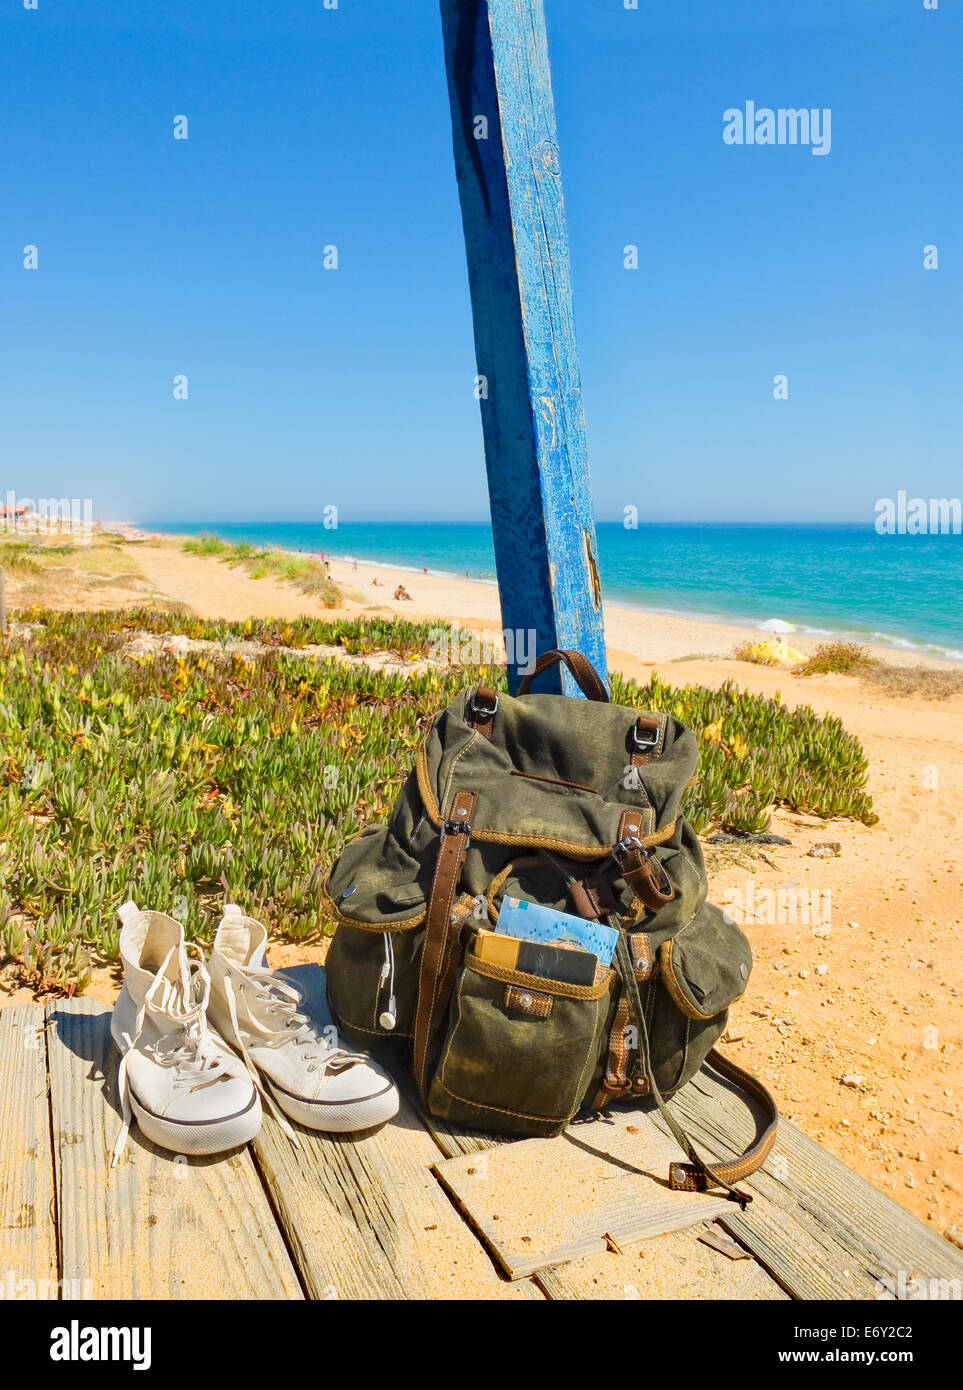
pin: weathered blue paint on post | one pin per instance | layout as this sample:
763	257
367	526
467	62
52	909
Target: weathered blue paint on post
506	159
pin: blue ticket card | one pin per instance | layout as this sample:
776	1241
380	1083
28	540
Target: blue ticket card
532	922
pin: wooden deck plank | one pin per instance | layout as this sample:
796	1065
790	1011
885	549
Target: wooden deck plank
155	1227
818	1227
367	1219
28	1246
663	1267
543	1202
364	1214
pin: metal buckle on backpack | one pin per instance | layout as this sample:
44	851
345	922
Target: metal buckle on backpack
456	827
641	742
626	845
485	711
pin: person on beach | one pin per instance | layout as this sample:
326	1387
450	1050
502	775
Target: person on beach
402	593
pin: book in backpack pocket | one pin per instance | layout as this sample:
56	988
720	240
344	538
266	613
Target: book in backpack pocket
571	964
548	927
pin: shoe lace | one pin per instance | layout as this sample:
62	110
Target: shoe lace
284	1000
188	1048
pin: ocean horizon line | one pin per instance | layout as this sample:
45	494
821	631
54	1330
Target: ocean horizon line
193	524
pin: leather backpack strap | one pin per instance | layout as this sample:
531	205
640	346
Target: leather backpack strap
481	708
684	1177
586	677
438	957
641	870
644	739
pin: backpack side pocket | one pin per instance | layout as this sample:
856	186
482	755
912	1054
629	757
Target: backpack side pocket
371	978
703	970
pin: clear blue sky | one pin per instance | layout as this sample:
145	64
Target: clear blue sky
306	386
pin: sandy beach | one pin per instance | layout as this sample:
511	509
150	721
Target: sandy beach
856	1027
632	634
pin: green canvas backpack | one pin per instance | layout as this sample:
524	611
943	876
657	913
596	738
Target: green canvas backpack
569	803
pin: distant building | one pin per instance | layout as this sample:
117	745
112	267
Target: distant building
50	516
11	516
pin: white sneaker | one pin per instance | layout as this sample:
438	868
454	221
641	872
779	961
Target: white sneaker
189	1092
260	1013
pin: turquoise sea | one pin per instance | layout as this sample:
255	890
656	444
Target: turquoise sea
847	581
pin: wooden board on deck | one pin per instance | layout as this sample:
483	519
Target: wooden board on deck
541	1202
363	1214
156	1226
665	1268
28	1250
819	1228
671	1271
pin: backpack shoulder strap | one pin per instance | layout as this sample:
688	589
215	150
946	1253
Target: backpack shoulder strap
696	1175
686	1177
438	956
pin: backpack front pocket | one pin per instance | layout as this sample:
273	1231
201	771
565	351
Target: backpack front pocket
520	1051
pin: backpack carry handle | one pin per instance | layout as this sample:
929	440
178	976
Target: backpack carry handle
586	677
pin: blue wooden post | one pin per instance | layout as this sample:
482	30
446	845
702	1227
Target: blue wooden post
506	159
